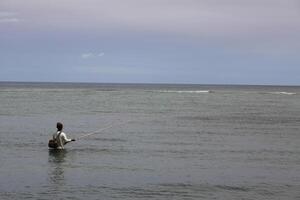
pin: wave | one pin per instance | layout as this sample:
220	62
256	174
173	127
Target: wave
186	91
283	93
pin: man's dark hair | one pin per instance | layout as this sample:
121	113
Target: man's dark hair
59	126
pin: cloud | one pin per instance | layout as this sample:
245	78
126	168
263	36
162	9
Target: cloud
8	17
188	17
247	22
86	55
100	54
7	14
91	55
9	20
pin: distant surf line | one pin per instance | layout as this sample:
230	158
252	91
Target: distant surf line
185	91
283	93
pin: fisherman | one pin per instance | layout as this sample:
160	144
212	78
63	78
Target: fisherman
60	137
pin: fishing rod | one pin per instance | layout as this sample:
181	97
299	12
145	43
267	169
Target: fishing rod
100	130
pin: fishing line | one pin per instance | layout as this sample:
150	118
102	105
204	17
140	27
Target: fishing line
100	130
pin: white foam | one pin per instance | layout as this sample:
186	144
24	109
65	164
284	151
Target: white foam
283	93
185	91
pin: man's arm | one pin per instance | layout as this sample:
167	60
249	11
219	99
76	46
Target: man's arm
66	140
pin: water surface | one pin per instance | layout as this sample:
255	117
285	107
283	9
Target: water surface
174	141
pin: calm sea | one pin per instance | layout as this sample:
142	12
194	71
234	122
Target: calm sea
165	141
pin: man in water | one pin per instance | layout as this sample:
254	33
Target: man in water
60	136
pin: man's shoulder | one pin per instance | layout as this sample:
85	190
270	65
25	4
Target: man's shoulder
62	133
59	133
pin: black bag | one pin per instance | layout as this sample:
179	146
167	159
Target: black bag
53	142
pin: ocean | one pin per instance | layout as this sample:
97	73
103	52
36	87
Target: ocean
163	141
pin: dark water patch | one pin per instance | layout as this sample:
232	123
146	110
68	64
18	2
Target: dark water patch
106	90
179	191
154	193
256	119
245	118
261	151
233	188
179	143
198	118
102	111
25	145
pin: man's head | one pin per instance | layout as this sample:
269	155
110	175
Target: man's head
59	126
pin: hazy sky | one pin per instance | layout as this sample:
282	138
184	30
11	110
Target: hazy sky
151	41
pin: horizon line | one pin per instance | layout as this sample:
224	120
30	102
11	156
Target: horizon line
149	83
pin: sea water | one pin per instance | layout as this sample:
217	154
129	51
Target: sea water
165	141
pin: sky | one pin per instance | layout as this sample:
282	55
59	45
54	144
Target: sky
151	41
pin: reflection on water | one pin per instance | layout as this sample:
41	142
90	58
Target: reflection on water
57	155
57	158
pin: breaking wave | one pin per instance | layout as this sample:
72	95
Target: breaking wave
283	93
186	91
